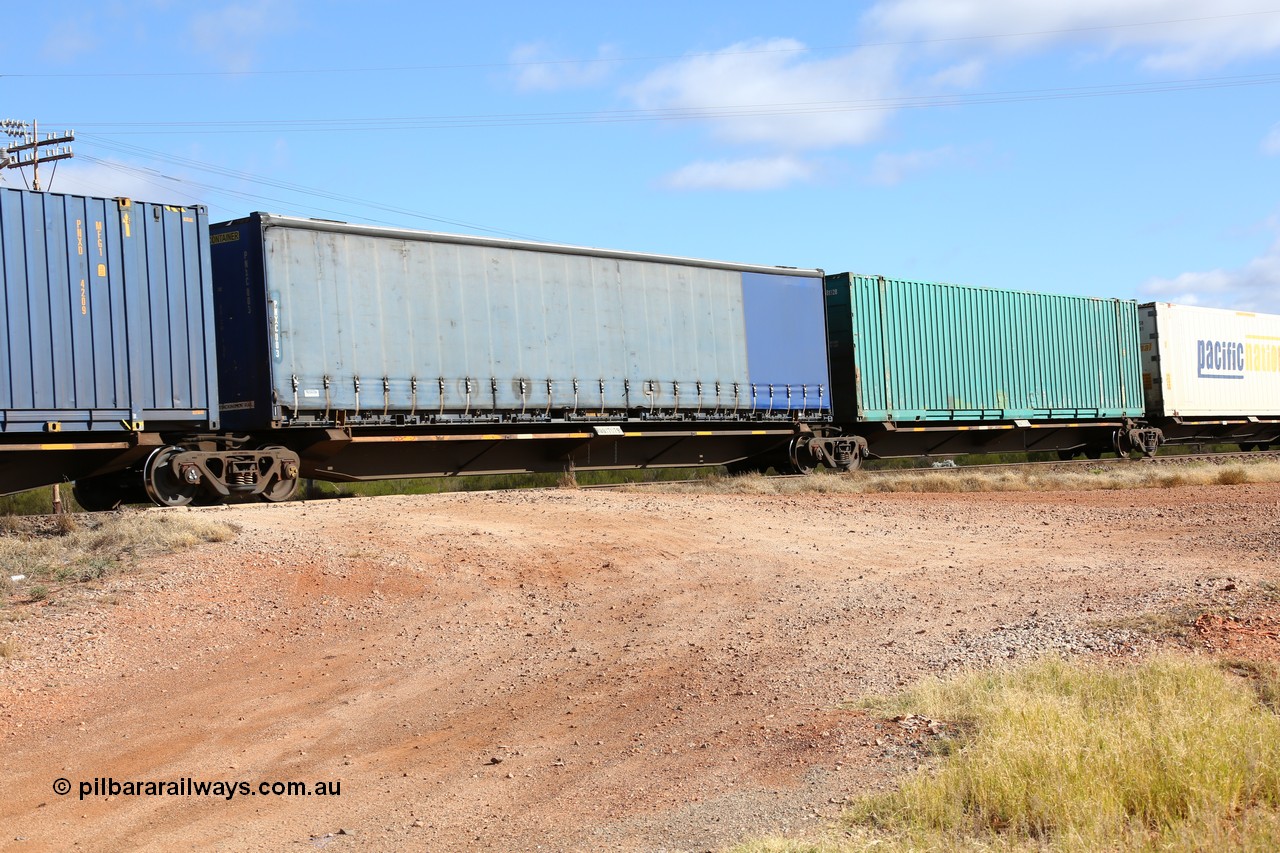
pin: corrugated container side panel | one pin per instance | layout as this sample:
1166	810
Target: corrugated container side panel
41	339
83	370
160	350
61	391
82	346
947	352
11	254
1214	362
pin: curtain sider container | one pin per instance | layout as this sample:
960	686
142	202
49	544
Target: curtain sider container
325	322
108	315
907	351
1210	362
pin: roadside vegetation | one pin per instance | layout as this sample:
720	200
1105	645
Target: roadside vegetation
1135	476
49	554
1173	753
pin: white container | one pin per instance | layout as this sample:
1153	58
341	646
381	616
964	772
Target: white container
1209	362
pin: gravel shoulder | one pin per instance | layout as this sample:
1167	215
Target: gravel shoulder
574	670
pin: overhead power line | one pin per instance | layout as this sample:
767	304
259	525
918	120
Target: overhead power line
400	69
263	181
796	108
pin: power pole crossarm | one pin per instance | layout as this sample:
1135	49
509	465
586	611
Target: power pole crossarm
28	141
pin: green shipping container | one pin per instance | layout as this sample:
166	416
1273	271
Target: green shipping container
906	351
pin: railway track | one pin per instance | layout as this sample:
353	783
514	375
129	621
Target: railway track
1052	465
1170	459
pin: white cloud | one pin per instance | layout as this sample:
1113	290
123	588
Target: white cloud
1253	287
231	34
771	92
536	71
764	173
74	39
1205	35
959	76
1271	145
891	169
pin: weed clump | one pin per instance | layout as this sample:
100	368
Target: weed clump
49	550
1134	476
1171	753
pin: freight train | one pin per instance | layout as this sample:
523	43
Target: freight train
146	355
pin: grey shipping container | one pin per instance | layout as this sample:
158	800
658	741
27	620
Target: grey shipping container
107	316
325	322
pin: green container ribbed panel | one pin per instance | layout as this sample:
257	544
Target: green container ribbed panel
924	351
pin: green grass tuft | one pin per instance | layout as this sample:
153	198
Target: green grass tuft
1169	754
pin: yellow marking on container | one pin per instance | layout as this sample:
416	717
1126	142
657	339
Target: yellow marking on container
1245	314
124	220
102	270
97	224
228	237
759	432
703	432
57	447
1261	338
79	237
84	298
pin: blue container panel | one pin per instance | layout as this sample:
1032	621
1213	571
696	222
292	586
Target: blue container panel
107	314
786	341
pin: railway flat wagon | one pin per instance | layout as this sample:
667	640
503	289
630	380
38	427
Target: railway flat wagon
380	352
1212	374
934	368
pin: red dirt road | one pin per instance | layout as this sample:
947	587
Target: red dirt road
566	670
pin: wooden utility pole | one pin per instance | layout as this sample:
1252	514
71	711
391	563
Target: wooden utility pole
27	139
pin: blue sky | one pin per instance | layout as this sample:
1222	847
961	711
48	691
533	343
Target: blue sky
1103	147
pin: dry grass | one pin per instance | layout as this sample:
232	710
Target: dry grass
1132	476
55	549
1169	754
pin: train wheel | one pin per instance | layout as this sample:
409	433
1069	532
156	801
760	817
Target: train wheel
98	494
163	486
283	488
800	459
